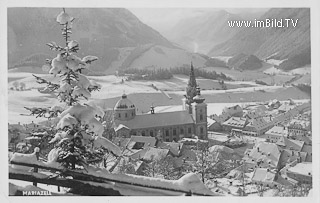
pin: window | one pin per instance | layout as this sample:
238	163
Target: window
138	145
181	131
143	133
201	130
201	117
126	115
189	130
151	133
174	132
132	114
167	133
167	140
119	115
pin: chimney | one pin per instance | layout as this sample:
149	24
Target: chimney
152	109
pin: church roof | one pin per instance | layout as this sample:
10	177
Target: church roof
124	103
157	120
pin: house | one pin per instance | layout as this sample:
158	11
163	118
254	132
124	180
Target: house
175	148
122	131
234	123
140	142
291	156
256	111
274	104
307	149
285	108
258	126
264	176
235	111
299	127
290	144
213	125
263	155
150	154
275	133
302	172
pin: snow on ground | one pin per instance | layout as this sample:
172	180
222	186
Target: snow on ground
143	94
26	184
275	61
302	71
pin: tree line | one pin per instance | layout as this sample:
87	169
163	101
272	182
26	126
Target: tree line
164	74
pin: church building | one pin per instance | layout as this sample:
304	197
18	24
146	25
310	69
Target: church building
172	126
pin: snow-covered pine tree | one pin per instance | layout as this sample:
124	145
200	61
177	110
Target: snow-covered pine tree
78	140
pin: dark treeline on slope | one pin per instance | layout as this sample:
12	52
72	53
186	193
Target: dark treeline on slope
185	70
145	74
164	74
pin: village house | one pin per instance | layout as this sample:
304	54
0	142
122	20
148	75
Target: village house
265	177
299	127
290	144
234	123
275	133
263	155
302	172
258	126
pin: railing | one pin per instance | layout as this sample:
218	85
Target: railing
81	179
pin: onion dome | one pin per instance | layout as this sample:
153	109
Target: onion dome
124	103
198	98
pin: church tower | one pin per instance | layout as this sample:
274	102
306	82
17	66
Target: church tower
191	91
199	114
124	109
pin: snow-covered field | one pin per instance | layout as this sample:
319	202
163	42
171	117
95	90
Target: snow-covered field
142	93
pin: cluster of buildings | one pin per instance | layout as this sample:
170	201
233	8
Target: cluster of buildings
282	156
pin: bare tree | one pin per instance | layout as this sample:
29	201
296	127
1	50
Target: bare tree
15	84
22	86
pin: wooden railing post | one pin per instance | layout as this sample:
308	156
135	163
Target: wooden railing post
35	169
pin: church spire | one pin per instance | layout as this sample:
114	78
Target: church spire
191	89
192	78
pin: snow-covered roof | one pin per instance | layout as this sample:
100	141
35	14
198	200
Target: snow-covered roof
278	131
263	175
221	148
259	123
289	156
236	122
157	120
174	147
148	141
304	168
290	144
124	103
268	154
121	127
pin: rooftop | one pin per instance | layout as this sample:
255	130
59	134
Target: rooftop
236	122
263	175
290	144
157	120
304	168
